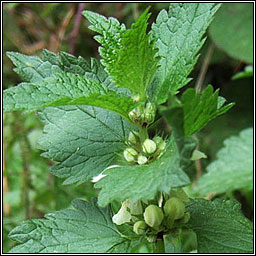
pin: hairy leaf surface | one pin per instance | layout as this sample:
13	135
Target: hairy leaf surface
82	140
178	34
200	108
233	168
85	229
220	226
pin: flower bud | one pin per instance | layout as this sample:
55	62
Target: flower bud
153	216
185	218
135	114
174	208
133	137
149	146
142	159
136	98
160	143
140	227
130	154
149	113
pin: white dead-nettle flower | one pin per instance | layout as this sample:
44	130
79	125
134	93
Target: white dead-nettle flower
98	177
101	175
123	215
126	211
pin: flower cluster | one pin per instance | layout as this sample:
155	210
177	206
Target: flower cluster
143	114
142	152
148	219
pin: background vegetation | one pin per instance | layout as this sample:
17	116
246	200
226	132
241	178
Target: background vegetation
30	190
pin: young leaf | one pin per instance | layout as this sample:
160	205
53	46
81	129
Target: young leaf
143	181
178	36
110	31
193	111
199	108
85	229
82	140
233	168
220	226
132	61
247	72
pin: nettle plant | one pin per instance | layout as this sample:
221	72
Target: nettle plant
101	125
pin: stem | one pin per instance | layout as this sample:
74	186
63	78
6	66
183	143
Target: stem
158	246
198	164
75	30
5	182
135	11
26	179
204	67
25	149
143	133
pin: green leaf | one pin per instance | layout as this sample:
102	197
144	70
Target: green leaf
65	89
82	140
110	31
236	37
79	66
199	108
178	36
129	56
247	72
85	229
143	181
174	115
31	68
220	226
67	62
233	168
52	85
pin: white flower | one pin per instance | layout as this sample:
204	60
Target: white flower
101	175
98	177
123	215
126	211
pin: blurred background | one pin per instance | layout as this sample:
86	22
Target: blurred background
30	190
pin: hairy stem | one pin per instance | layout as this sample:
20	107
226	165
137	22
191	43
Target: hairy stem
75	30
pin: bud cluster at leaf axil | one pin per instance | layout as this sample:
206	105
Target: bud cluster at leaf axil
148	218
142	152
143	114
